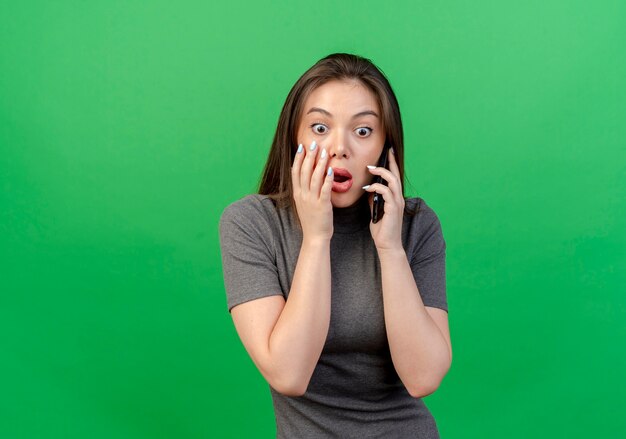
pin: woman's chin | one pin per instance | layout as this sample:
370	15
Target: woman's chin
344	199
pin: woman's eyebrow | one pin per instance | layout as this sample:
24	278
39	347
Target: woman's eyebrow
365	113
326	113
319	110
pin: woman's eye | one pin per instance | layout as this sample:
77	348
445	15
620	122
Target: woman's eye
319	128
363	131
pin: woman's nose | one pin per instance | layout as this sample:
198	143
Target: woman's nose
338	146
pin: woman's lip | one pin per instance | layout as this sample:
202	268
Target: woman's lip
344	186
342	172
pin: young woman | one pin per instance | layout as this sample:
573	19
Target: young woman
346	318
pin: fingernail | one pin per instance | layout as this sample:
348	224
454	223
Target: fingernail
371	167
300	148
365	187
330	171
323	153
392	151
313	146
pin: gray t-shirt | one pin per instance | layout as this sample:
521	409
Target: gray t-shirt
354	391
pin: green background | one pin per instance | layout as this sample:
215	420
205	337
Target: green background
127	127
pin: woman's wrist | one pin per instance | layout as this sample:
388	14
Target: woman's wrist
391	252
317	241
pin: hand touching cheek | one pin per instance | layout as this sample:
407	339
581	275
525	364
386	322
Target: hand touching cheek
312	184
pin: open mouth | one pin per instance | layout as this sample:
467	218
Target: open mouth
342	180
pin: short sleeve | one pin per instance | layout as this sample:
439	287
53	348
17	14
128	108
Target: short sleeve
248	256
428	260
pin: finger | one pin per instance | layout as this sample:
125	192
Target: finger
380	189
393	164
319	173
295	168
395	169
386	174
307	167
327	187
383	190
393	181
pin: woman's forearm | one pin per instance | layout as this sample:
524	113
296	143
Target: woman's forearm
419	351
300	332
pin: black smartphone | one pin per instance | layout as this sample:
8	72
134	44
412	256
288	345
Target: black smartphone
379	203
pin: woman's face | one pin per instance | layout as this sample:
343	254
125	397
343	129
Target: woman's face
344	117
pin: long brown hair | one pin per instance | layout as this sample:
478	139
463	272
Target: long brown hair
276	179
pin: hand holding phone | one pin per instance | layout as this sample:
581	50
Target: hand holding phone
378	202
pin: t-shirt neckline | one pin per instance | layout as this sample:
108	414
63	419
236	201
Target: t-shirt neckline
352	218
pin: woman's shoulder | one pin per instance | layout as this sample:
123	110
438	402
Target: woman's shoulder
421	230
250	202
252	209
419	211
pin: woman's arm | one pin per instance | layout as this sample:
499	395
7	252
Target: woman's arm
418	336
420	344
285	339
